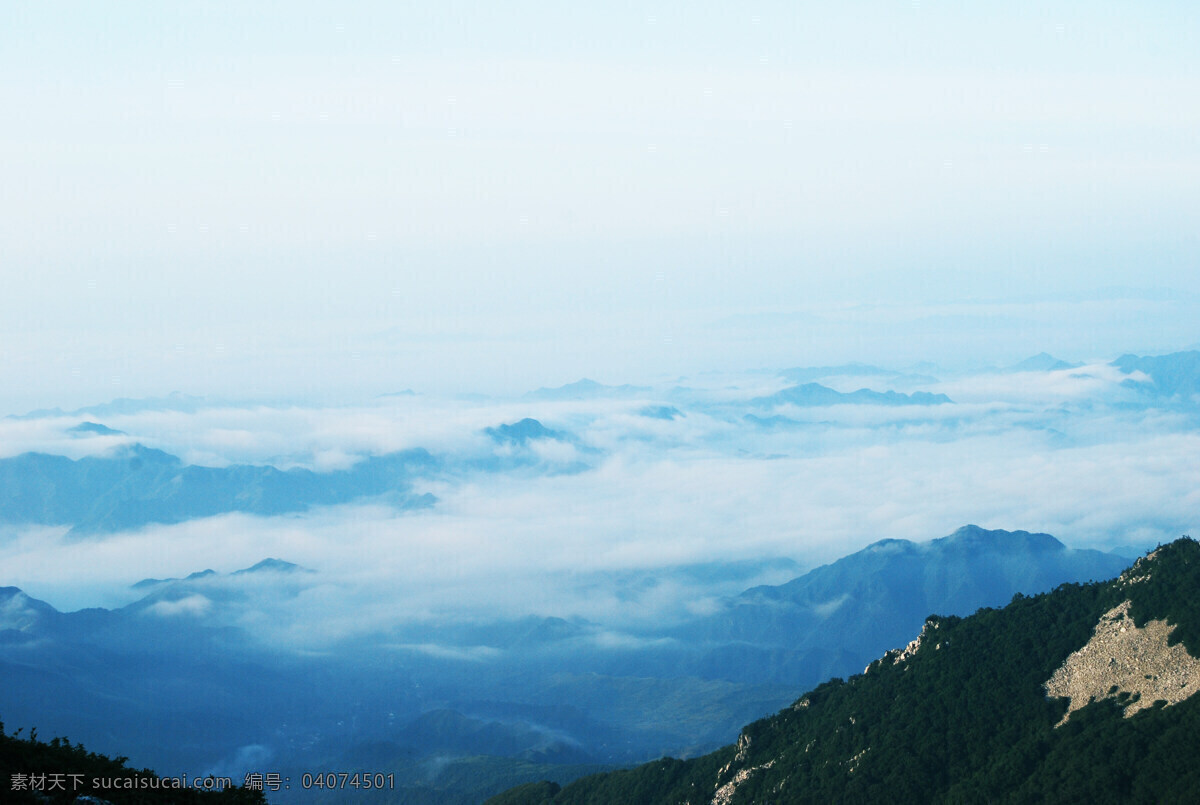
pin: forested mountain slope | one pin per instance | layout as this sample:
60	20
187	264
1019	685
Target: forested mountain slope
973	711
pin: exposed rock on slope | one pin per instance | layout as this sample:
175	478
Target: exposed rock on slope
1122	658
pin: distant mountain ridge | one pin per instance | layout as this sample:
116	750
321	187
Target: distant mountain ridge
520	433
123	406
94	429
807	374
835	618
1042	362
585	389
814	394
1173	375
137	485
268	565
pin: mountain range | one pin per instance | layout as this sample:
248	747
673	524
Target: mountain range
1081	694
814	394
135	485
1174	375
176	680
871	599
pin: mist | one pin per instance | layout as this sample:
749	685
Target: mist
588	521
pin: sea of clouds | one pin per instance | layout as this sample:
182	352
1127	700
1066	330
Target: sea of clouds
597	522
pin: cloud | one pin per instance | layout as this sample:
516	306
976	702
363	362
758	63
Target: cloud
50	435
621	641
469	653
249	758
193	605
824	610
1058	452
1096	381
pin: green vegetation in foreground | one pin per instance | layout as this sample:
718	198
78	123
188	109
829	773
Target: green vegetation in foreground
58	759
965	719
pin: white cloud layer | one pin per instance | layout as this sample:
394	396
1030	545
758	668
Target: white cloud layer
1060	452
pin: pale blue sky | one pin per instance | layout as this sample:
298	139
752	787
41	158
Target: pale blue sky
277	198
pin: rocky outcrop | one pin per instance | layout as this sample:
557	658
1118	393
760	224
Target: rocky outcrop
724	794
1122	658
899	655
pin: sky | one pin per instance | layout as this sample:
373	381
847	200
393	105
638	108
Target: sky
310	200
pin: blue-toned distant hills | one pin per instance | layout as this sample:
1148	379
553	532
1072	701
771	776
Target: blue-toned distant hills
124	406
857	607
521	440
814	394
94	429
665	412
1042	362
137	485
807	374
585	389
1173	375
268	565
523	432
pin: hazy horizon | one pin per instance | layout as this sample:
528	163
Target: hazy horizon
314	202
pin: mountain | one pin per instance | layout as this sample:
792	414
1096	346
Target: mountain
1174	375
1042	362
807	374
529	445
270	565
123	406
137	485
833	619
94	429
1082	694
521	433
178	680
585	389
667	412
176	683
20	613
814	394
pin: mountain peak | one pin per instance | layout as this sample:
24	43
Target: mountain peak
584	388
972	535
817	395
94	429
140	455
20	612
270	565
1176	374
521	432
1041	362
